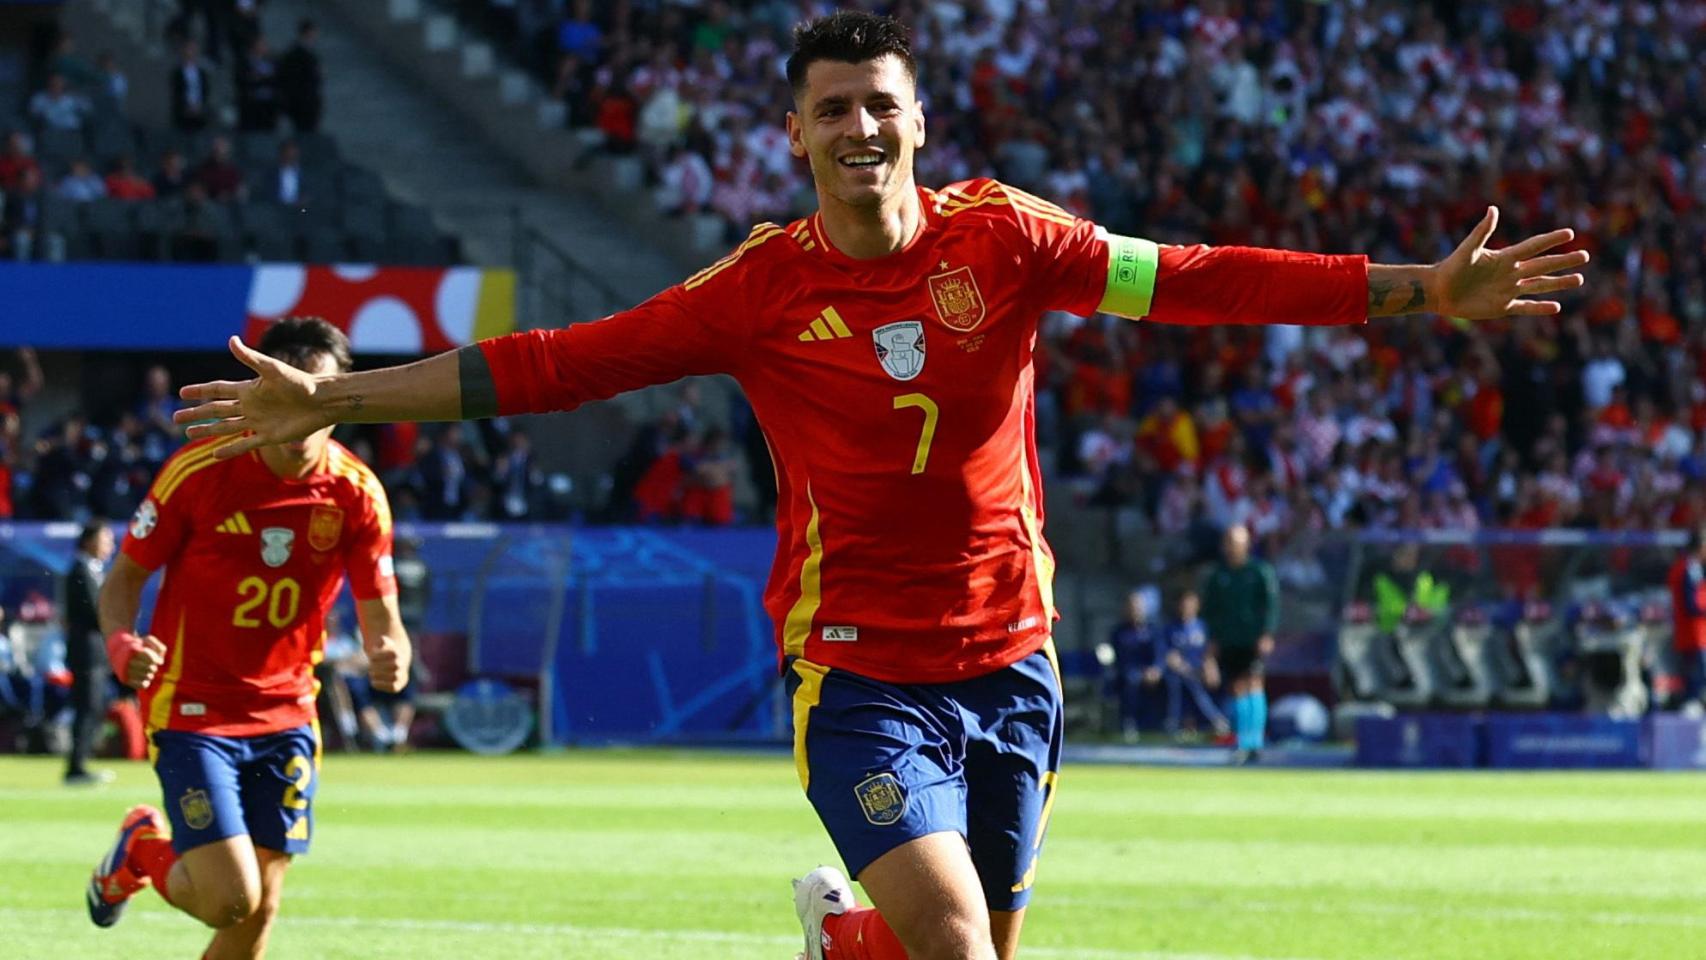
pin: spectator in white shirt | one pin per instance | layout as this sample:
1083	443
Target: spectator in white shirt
82	184
57	107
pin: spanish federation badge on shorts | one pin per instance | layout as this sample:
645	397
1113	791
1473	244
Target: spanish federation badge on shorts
882	799
197	809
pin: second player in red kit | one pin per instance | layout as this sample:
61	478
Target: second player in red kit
255	550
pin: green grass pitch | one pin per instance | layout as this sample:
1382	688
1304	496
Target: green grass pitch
686	856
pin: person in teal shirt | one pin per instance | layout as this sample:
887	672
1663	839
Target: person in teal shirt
1241	609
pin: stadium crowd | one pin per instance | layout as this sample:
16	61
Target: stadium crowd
1362	127
1373	127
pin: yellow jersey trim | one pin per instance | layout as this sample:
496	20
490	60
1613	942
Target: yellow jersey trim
160	709
806	696
760	233
1040	560
797	627
192	462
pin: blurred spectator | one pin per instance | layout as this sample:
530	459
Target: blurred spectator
154	409
18	157
708	497
443	477
81	183
1139	648
283	183
112	89
86	651
124	183
219	175
173	175
300	80
57	106
1191	672
257	88
191	90
20	220
68	63
518	478
64	471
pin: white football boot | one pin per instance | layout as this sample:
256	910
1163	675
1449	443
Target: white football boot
821	893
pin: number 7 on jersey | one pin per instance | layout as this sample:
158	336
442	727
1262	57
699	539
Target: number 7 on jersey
925	435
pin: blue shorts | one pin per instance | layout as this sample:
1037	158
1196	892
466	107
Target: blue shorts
218	787
886	763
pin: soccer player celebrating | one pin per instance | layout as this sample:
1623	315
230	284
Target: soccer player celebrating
885	344
255	544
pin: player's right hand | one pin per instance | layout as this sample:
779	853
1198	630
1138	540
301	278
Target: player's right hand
276	407
136	660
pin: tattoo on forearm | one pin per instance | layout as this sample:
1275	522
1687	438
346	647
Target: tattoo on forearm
1380	291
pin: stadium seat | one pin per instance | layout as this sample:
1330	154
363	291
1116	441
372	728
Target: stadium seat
257	147
1462	663
114	230
1610	647
1525	673
1410	656
323	245
60	146
1356	673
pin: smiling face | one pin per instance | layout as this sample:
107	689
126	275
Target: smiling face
859	125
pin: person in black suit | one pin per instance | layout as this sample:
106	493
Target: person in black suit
86	651
192	90
300	81
257	88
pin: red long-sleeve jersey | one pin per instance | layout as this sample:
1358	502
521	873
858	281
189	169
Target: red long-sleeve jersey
898	401
252	563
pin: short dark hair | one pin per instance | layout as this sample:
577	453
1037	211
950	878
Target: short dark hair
297	340
91	530
848	36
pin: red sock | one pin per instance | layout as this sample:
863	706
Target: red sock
153	856
860	934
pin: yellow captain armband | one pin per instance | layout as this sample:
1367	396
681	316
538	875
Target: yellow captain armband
1132	264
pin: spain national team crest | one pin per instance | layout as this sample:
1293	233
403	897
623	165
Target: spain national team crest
275	545
197	809
900	348
325	526
882	799
958	301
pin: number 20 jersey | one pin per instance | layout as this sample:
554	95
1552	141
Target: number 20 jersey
252	564
898	400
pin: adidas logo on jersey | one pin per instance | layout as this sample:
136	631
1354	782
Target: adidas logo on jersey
827	325
235	523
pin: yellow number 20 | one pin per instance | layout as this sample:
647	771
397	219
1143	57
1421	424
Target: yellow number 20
926	435
282	599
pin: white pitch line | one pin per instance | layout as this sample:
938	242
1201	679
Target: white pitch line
780	943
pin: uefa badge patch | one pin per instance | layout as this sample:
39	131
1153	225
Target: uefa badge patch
147	517
197	809
882	799
900	348
275	545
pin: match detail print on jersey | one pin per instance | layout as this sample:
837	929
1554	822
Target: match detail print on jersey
1132	265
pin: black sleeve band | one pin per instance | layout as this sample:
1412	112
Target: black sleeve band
479	393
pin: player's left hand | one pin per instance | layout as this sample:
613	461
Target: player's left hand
1479	283
388	666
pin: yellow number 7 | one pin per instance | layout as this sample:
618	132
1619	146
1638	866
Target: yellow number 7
928	405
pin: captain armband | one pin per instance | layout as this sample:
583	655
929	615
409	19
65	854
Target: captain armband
1132	264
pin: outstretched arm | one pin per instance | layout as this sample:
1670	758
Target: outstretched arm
283	403
1200	285
1479	283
